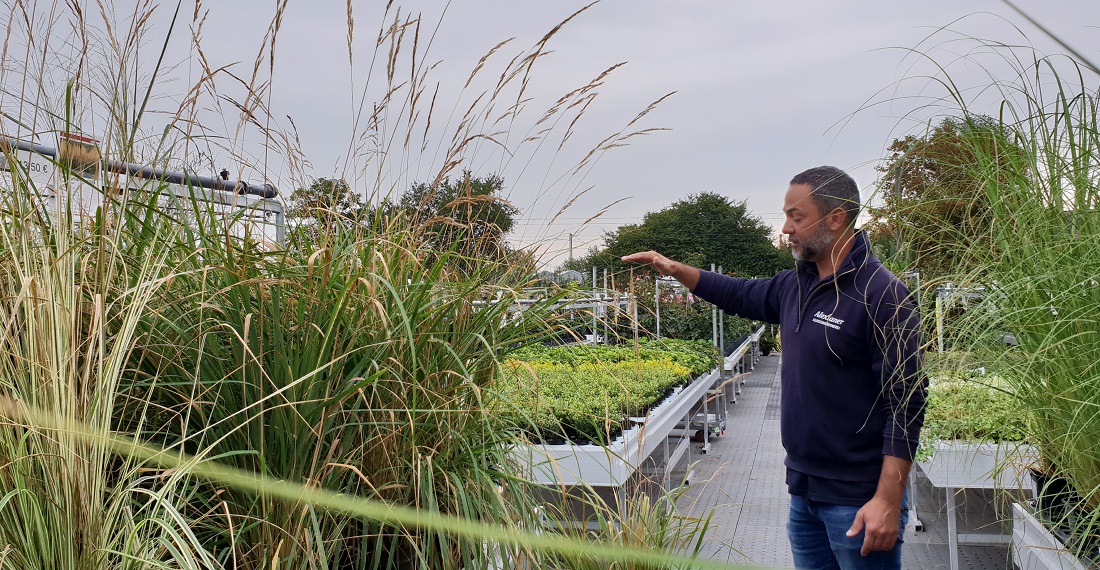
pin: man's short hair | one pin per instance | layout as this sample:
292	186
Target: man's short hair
832	188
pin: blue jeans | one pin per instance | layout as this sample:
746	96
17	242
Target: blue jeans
818	541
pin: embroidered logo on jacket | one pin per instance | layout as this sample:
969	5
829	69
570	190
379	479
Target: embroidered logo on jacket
828	320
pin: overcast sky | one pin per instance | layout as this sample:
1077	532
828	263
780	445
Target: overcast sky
763	90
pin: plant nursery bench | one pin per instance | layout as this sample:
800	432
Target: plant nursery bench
959	465
653	446
661	431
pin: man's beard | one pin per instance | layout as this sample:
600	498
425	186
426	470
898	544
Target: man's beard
814	245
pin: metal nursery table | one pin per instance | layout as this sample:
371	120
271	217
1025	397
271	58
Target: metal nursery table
966	465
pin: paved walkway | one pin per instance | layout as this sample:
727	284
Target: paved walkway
741	479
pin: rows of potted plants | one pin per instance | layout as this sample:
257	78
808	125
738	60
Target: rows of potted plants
975	409
698	356
589	394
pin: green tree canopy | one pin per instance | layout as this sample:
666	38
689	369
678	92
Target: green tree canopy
468	214
326	200
935	205
702	229
322	206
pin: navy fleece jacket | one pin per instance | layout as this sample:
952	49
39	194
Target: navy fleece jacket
853	389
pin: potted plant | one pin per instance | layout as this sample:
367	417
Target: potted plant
769	342
973	432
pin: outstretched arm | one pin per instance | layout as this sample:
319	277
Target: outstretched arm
687	275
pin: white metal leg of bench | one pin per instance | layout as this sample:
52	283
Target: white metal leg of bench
914	518
952	531
955	539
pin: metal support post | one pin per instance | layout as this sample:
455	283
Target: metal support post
657	303
721	328
913	519
607	308
595	325
713	318
634	316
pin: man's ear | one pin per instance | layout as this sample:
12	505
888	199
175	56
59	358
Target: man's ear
836	219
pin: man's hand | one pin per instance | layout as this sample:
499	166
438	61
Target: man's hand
662	264
880	519
687	275
881	516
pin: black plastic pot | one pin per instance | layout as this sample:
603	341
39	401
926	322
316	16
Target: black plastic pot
1063	511
1053	495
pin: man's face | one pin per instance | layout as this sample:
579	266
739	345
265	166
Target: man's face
805	227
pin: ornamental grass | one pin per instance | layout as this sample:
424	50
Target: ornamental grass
180	389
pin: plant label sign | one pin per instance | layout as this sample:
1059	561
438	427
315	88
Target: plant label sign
31	166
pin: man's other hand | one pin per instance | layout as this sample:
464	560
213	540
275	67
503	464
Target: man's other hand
880	519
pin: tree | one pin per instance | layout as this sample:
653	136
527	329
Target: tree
325	203
468	215
935	206
703	229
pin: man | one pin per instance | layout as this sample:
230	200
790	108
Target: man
853	392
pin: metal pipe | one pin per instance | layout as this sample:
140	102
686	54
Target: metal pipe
150	173
185	179
7	144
